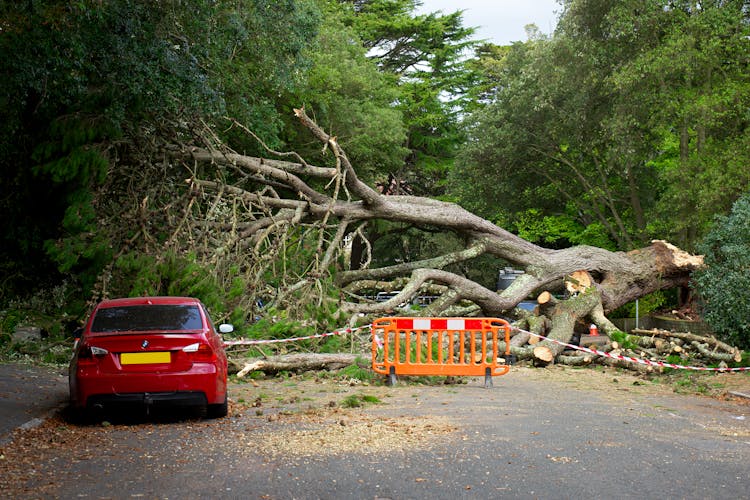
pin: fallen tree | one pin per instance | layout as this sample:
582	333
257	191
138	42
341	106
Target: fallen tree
677	348
279	194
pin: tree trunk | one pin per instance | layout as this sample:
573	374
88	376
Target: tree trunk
299	363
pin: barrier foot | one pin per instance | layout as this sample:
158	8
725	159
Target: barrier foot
487	378
392	379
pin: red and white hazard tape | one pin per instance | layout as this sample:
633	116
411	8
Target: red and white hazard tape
293	339
638	360
472	324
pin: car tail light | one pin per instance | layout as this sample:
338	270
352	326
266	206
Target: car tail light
200	352
89	352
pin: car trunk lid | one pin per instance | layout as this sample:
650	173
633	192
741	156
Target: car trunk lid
152	352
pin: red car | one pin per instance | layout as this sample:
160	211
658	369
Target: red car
150	351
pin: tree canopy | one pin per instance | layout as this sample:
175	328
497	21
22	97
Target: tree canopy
630	114
628	123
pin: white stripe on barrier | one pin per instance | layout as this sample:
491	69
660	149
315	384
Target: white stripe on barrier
456	324
422	324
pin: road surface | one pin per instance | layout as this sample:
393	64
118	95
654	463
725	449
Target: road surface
539	433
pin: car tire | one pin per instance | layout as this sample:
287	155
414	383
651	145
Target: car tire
219	410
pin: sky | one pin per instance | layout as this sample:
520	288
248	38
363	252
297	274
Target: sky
500	21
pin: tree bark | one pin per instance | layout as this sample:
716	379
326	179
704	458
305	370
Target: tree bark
299	363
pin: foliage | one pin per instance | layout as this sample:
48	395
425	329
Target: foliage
693	91
139	274
356	372
277	328
542	146
426	56
633	111
78	76
257	56
559	231
646	304
352	100
278	324
623	339
358	400
51	310
724	283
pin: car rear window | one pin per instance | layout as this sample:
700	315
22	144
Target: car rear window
147	318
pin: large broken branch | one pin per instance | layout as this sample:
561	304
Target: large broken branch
470	252
597	280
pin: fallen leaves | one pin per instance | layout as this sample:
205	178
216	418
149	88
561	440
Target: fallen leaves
25	460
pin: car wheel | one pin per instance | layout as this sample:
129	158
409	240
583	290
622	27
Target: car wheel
218	410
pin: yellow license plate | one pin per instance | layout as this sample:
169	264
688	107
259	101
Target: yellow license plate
145	358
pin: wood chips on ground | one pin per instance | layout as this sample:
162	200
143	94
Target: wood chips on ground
342	432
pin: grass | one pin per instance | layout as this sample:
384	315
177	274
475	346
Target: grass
358	400
356	372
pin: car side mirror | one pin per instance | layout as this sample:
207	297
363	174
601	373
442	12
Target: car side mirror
226	328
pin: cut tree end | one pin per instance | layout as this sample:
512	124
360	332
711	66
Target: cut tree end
577	282
543	355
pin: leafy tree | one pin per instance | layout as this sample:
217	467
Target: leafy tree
487	65
539	145
344	89
74	77
629	113
257	54
724	284
81	81
690	77
426	57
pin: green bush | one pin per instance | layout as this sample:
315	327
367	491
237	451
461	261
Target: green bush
137	274
724	282
646	305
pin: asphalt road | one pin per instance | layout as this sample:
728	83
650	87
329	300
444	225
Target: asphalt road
536	434
29	393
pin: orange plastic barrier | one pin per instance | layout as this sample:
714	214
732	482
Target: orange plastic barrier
439	346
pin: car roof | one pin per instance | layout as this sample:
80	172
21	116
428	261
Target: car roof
147	301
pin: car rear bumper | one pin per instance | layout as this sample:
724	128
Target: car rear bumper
202	385
172	399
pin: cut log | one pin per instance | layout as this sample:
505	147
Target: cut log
593	340
546	298
619	363
577	282
575	360
300	362
563	318
702	348
691	337
543	355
